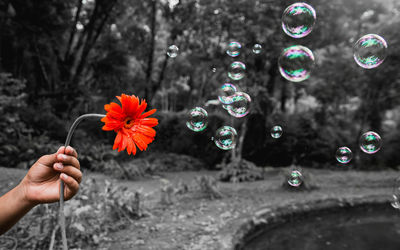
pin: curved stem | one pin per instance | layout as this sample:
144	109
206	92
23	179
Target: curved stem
67	141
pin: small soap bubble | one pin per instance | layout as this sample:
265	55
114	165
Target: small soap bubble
296	63
233	49
396	194
370	142
295	178
225	138
344	155
276	131
197	119
240	105
298	20
257	48
213	69
226	92
370	51
173	51
237	71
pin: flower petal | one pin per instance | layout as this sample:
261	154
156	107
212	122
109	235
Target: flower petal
117	140
145	130
151	122
148	113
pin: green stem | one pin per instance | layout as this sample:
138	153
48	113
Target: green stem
67	142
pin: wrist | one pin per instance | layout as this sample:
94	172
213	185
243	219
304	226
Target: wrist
22	195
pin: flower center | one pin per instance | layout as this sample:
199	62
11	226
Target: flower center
128	123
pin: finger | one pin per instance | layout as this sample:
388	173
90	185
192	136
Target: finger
72	186
68	170
71	151
68	160
48	160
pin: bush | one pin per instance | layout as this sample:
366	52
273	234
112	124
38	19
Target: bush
239	171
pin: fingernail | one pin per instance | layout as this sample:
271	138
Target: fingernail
64	176
62	156
58	166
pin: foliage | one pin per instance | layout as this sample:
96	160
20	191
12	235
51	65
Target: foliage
95	212
240	171
20	145
76	55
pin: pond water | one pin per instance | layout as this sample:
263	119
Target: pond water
363	228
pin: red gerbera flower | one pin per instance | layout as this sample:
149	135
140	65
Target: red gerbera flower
133	128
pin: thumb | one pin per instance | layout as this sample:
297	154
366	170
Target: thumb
49	160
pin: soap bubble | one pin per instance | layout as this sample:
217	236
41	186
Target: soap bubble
237	71
396	194
276	132
257	48
233	49
296	63
226	92
173	51
370	142
295	178
214	69
197	119
298	20
344	155
370	51
240	105
225	138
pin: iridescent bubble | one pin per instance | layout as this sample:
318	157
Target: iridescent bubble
214	69
225	138
276	131
237	71
257	48
240	105
396	194
296	63
298	20
295	178
344	155
197	119
370	51
233	49
172	51
370	142
226	92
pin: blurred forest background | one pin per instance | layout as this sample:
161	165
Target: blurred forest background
61	59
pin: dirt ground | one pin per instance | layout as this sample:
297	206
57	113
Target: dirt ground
194	221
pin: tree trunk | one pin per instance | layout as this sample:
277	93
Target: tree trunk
237	152
150	59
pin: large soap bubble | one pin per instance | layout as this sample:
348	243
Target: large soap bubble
370	51
296	63
298	20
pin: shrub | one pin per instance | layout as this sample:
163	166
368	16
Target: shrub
239	171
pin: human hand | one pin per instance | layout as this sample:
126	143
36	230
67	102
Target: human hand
42	182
